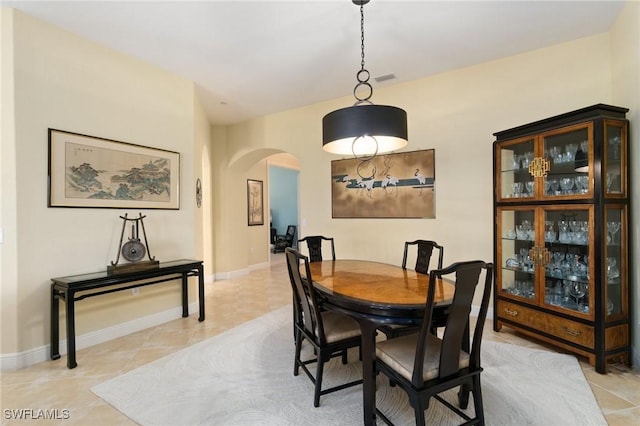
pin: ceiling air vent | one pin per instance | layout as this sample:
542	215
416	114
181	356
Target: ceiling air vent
385	77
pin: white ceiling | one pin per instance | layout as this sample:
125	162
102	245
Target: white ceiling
251	58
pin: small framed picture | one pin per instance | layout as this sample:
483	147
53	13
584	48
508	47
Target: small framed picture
255	205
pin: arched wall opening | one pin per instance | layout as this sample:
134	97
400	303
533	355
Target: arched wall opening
239	247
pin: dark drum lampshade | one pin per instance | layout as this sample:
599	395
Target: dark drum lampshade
364	129
581	164
386	124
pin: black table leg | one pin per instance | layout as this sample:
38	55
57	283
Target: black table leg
201	291
368	330
185	295
55	324
71	329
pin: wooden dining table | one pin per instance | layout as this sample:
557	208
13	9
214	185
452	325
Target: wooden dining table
375	294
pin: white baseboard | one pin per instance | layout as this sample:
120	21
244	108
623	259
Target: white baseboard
15	361
240	272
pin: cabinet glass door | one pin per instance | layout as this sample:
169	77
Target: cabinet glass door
567	239
615	254
517	271
514	159
570	155
614	158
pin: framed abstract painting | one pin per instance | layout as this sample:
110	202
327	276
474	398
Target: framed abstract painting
400	185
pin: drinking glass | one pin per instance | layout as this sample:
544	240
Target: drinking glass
556	154
567	185
516	162
517	189
571	149
584	146
615	143
613	228
582	184
530	185
577	290
612	270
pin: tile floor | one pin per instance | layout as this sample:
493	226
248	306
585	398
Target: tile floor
50	385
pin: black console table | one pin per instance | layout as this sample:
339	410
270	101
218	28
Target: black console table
78	287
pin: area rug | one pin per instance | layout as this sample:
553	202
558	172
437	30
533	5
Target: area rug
245	377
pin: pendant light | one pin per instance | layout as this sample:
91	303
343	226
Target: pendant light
364	129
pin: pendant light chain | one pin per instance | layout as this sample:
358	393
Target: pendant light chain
362	37
363	75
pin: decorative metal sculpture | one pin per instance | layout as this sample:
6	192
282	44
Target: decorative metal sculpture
133	250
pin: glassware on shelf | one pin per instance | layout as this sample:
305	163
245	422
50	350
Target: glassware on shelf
515	164
526	159
582	184
550	234
530	186
613	227
517	189
612	270
577	290
615	144
564	234
613	182
571	149
566	184
584	146
556	154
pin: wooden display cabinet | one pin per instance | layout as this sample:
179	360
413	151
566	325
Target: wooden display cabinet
561	232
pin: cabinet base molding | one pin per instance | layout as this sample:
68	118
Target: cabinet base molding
620	355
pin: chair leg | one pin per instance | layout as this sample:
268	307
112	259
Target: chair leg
419	409
463	396
345	359
297	361
477	399
318	388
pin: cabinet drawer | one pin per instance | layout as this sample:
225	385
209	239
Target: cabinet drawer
521	315
571	331
562	328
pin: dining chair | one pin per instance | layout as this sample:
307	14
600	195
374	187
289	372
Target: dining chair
423	257
330	333
423	260
314	245
424	365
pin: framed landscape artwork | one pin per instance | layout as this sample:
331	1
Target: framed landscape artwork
87	171
255	210
398	185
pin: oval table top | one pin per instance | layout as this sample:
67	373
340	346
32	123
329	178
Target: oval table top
376	288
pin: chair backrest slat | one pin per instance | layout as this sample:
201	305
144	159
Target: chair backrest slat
314	245
306	295
467	276
423	256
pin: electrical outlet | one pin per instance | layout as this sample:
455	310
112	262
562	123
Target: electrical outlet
135	291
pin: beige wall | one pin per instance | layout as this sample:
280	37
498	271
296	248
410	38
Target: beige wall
65	82
625	69
456	113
